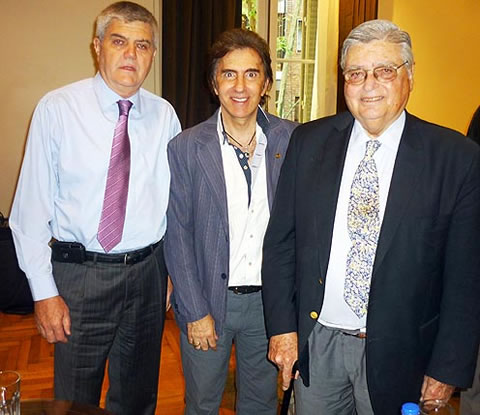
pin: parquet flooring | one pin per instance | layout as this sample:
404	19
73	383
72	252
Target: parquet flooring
22	349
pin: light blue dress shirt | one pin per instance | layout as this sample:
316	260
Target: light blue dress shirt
62	182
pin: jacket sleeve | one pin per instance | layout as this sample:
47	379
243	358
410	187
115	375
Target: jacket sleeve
456	346
180	255
278	268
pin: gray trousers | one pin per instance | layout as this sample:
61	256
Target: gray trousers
470	399
338	383
256	378
117	313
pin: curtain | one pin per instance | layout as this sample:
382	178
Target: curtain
351	14
189	28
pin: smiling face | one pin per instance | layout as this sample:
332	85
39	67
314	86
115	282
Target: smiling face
376	105
240	83
125	55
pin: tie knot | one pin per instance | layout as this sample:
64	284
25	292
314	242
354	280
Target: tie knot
372	147
124	106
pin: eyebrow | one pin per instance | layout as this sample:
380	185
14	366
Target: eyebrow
136	41
246	70
353	67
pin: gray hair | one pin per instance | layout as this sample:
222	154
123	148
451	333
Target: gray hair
379	30
127	12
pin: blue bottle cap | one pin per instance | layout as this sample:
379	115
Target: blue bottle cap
410	408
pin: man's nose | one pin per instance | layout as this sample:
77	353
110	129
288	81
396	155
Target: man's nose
130	51
239	83
370	81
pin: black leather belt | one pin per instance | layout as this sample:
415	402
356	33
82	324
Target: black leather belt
245	289
75	252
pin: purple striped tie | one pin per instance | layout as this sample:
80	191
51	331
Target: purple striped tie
110	229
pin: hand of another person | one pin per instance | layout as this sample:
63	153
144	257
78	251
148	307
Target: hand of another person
433	389
53	319
201	333
168	304
283	351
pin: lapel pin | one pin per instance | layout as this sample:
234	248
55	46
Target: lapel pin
278	155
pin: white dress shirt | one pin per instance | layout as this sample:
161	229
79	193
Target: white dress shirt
247	224
335	311
62	183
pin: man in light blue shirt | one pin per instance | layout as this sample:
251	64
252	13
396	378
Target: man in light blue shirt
96	303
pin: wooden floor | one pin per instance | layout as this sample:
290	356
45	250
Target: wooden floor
22	349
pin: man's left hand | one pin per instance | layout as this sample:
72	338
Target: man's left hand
433	389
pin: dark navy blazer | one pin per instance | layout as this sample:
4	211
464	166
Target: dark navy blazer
424	305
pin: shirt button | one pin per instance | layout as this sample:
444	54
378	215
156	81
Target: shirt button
251	236
249	264
314	315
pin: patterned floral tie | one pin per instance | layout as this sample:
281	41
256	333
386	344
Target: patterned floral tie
110	229
363	224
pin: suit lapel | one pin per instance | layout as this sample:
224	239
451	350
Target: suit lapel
327	185
210	161
274	155
406	173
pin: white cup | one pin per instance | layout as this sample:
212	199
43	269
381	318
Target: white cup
436	407
9	392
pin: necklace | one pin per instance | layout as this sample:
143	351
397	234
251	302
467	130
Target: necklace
239	145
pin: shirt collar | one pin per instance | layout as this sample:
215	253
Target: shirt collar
108	98
390	138
262	127
262	122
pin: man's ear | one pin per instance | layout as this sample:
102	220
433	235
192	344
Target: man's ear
266	87
97	45
410	76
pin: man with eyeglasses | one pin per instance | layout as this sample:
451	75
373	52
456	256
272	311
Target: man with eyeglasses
372	254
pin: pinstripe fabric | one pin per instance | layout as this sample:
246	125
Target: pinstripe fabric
117	312
197	239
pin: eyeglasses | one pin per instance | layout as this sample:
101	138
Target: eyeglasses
384	73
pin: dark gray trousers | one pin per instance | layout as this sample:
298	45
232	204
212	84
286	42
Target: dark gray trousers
256	378
338	382
117	313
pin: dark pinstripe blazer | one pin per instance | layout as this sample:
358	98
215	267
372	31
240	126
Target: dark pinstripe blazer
197	240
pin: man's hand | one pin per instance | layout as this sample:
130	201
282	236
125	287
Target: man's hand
283	351
433	389
169	294
53	319
201	333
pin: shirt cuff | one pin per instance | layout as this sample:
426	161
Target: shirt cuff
42	287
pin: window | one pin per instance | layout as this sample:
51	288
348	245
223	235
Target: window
294	24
